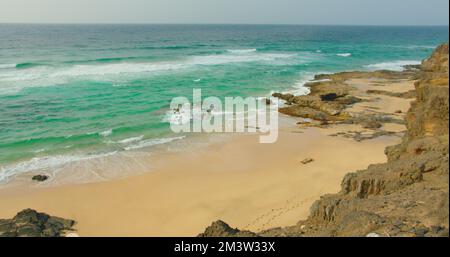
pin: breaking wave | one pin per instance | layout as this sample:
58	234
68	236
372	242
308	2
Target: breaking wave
393	66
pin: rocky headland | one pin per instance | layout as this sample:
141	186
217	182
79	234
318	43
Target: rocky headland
408	196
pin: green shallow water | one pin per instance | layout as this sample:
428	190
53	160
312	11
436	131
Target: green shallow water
68	90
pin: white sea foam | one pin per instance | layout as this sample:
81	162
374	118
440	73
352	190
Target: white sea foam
394	66
7	66
59	162
49	163
226	59
131	140
152	142
106	133
344	54
242	51
299	87
14	80
415	46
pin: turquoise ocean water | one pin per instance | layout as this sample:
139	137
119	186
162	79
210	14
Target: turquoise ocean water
74	92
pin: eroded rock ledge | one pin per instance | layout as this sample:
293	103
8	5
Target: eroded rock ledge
30	223
408	195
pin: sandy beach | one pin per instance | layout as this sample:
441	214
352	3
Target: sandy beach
253	186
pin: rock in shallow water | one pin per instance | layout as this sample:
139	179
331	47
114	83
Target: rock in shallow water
40	178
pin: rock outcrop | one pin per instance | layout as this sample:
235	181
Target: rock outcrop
330	96
408	195
30	223
221	229
326	102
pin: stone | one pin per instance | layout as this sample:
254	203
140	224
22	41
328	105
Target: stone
307	161
371	124
222	229
329	97
30	223
40	178
286	97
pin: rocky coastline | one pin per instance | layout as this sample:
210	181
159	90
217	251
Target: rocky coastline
408	196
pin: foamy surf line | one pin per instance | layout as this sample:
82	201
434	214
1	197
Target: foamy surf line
7	66
13	80
300	88
393	66
344	54
242	51
59	162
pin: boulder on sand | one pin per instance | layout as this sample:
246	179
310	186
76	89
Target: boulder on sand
30	223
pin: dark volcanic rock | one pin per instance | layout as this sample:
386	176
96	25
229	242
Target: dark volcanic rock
40	178
30	223
221	229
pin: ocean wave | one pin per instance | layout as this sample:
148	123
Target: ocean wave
59	162
153	142
8	66
172	47
393	66
26	65
242	51
106	133
209	60
131	140
299	87
48	163
413	46
344	54
421	47
15	80
108	60
23	65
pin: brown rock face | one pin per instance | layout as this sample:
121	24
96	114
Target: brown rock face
438	62
408	195
221	229
325	103
30	223
429	114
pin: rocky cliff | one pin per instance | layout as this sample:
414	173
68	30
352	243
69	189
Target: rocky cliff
408	195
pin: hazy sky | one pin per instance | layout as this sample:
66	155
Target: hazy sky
358	12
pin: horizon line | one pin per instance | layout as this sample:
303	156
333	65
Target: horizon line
254	24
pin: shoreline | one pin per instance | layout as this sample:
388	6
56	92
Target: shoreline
251	185
172	202
101	174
